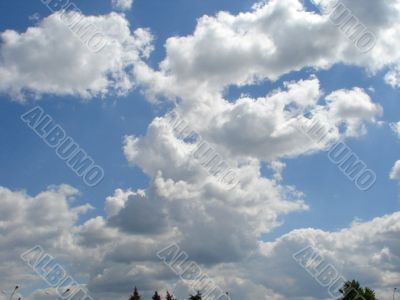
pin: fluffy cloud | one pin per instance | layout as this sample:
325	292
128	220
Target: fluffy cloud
368	251
22	220
393	77
122	4
395	172
354	108
116	251
266	128
48	219
246	48
219	228
56	58
113	260
395	128
245	132
141	216
178	174
275	38
223	50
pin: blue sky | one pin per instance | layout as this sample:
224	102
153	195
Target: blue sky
104	120
102	125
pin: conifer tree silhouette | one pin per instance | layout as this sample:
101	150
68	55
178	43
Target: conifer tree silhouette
156	296
196	297
135	295
352	290
169	296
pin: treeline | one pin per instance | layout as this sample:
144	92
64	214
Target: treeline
168	296
351	290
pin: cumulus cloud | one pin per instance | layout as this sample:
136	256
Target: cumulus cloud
395	128
246	48
50	58
223	50
47	219
354	108
170	162
277	167
122	4
245	132
113	259
266	128
118	250
395	172
393	77
141	215
368	251
219	228
275	38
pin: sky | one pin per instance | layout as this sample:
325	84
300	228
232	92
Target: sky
247	80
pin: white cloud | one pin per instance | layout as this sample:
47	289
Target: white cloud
395	172
354	108
176	173
219	228
368	251
122	4
268	128
223	50
101	249
393	77
47	219
114	260
348	250
117	201
275	38
277	167
248	47
51	59
395	128
141	216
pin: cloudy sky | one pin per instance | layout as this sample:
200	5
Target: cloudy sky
243	77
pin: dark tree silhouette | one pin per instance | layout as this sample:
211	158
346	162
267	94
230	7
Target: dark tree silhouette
352	290
169	297
156	296
135	295
196	297
369	294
